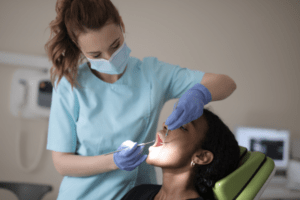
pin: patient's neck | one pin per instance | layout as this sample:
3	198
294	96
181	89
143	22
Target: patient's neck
177	184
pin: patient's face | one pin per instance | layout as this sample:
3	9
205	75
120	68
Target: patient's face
179	146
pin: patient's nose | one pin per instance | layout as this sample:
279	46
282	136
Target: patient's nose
165	126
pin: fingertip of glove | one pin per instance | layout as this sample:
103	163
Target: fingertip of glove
171	128
170	120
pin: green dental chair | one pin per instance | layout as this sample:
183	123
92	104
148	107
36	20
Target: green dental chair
249	180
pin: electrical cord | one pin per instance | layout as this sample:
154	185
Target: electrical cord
42	142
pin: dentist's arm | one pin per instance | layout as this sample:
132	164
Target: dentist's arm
69	164
220	86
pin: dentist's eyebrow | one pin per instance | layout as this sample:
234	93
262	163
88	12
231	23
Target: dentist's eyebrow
93	52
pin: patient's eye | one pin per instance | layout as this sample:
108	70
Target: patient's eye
183	128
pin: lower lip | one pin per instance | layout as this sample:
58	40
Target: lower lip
152	148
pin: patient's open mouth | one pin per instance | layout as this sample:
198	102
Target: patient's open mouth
159	141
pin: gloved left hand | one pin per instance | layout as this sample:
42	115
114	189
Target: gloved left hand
190	106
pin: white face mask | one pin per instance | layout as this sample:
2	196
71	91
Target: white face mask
116	64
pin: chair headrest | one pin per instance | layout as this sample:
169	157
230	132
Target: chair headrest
254	169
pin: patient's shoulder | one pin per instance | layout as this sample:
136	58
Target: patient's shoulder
144	191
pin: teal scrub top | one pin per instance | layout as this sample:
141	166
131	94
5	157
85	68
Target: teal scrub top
98	117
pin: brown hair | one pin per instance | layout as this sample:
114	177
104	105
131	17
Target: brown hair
74	17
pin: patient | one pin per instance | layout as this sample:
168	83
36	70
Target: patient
193	158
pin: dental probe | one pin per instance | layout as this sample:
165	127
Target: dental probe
142	144
175	106
166	135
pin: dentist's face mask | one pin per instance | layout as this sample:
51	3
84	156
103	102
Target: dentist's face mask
116	64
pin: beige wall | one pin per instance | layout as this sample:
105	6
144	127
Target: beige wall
255	42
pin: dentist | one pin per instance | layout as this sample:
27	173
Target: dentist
111	100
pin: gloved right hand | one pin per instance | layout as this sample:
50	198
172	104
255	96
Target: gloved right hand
190	106
129	158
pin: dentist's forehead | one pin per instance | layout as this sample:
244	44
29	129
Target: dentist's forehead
95	40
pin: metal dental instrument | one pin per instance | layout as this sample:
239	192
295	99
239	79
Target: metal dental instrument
175	106
142	144
166	135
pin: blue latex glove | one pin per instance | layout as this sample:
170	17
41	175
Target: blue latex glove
190	106
129	158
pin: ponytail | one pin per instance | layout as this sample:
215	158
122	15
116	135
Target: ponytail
74	17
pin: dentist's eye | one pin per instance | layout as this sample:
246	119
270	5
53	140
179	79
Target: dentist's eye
116	46
97	56
183	128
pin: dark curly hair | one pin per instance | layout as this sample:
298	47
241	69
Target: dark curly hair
222	143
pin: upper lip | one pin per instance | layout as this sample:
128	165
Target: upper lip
158	139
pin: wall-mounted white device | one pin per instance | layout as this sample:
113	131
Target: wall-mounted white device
31	92
30	97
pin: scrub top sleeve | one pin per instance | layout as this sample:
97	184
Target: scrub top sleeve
172	78
182	80
62	121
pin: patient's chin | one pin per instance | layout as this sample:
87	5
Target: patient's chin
149	161
153	159
157	158
164	156
153	162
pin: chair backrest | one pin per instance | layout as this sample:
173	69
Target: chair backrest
249	180
26	191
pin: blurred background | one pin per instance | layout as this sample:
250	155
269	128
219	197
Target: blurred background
255	42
